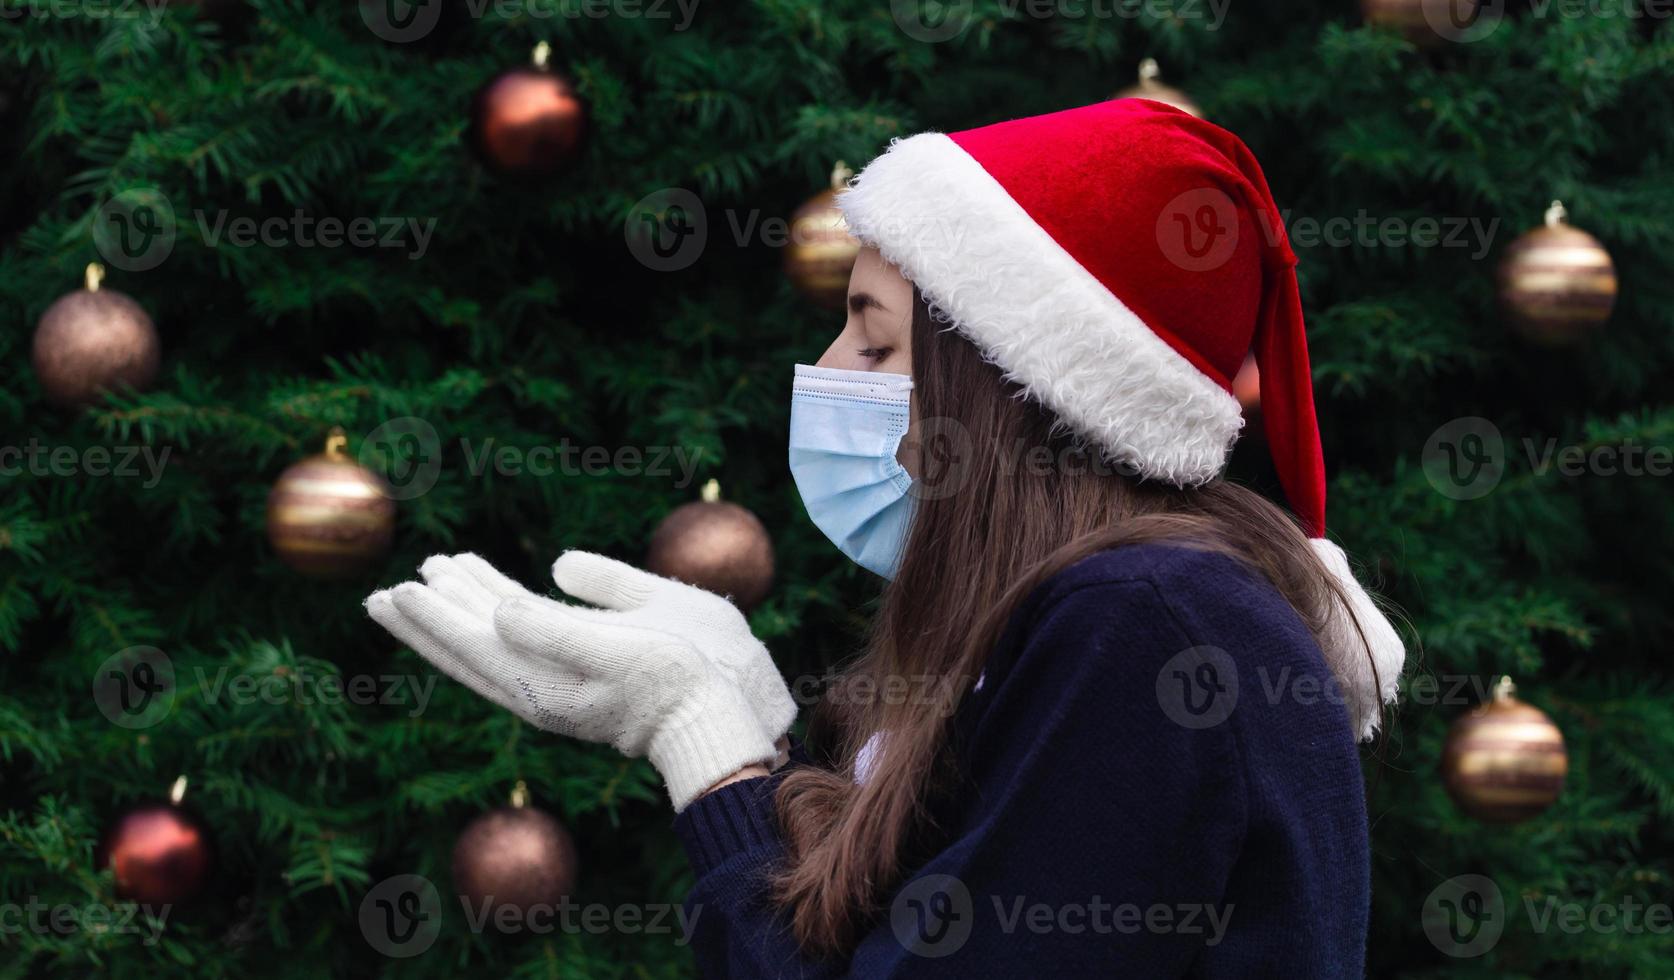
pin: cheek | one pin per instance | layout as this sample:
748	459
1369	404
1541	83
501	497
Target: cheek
907	454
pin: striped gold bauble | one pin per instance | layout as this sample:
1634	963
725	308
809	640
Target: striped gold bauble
1151	87
1505	761
820	253
1556	283
328	516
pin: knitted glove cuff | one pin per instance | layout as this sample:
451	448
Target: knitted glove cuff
720	740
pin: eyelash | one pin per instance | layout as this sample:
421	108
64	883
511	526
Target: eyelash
875	353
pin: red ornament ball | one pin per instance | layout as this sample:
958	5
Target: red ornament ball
160	853
527	122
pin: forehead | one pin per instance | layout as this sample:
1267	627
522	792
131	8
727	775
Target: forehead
874	275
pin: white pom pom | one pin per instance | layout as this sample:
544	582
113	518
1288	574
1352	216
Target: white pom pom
1367	670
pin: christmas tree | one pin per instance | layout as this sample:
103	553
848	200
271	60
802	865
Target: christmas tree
535	361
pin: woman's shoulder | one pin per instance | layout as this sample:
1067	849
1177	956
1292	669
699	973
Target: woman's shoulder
1168	596
1184	577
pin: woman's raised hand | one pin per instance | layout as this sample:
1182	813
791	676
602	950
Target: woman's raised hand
667	671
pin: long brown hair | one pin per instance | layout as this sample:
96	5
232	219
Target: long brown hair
1005	500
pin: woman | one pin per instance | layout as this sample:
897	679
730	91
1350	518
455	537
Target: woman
1105	722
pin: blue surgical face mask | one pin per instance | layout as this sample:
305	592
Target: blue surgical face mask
844	429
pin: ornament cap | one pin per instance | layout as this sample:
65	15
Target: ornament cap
1149	71
711	492
840	174
337	442
94	275
541	55
520	795
1504	688
1556	214
177	792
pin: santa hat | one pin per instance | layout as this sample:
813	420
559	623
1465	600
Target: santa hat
1118	261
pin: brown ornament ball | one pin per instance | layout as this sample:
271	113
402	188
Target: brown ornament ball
1423	22
92	341
1556	283
715	545
527	122
1505	761
1151	87
328	516
821	252
511	860
161	854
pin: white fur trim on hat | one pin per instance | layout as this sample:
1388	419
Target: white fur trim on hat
1034	311
1351	658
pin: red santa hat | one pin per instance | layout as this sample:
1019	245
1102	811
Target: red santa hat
1118	261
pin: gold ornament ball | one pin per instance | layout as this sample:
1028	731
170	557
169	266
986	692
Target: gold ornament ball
1556	283
715	545
1421	21
92	341
512	860
821	252
328	516
1151	87
1505	761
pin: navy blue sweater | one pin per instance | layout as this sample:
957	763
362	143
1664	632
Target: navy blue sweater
1158	786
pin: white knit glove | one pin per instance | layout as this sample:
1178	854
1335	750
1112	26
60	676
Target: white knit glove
703	619
596	675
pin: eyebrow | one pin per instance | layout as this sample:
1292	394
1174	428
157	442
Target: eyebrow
861	302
